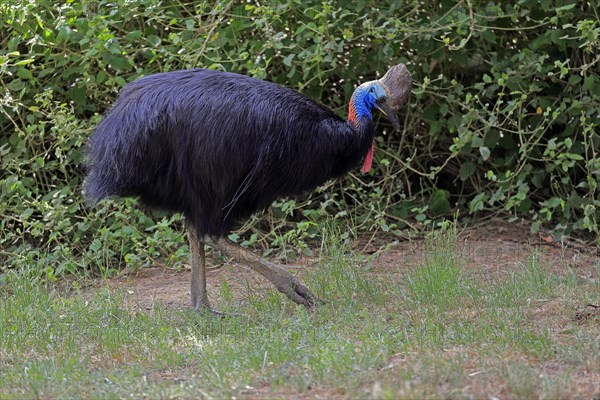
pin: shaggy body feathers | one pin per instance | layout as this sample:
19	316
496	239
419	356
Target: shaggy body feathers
218	146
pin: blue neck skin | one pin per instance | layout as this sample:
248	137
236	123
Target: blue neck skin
364	101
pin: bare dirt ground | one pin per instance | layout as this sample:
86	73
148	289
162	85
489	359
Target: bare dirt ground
491	251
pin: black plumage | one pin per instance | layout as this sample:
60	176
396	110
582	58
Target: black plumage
218	146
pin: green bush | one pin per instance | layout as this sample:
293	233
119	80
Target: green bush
503	117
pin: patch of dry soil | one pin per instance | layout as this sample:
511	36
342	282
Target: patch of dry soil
491	250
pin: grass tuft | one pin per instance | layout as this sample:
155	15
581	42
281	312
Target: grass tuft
440	280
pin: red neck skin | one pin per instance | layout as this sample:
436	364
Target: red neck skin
352	116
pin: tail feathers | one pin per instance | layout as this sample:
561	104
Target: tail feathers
97	187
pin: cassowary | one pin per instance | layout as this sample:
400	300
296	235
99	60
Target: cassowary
219	146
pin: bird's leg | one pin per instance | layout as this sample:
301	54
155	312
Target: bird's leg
283	280
198	280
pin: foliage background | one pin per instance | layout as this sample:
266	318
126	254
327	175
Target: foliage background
503	117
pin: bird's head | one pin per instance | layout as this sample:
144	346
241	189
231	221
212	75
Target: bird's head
385	95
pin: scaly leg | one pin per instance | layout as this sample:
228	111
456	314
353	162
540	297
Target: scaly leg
198	281
283	280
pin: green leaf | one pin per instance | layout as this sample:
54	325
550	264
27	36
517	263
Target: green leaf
491	138
489	35
589	82
190	24
554	202
485	152
476	141
574	80
575	157
288	60
96	245
16	85
154	40
133	35
466	170
24	62
439	203
477	203
100	77
24	73
565	7
77	94
26	214
118	62
444	109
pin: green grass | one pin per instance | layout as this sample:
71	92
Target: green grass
431	330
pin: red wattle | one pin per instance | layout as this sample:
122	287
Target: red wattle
368	159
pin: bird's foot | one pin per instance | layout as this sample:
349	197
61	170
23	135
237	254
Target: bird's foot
281	278
289	285
207	311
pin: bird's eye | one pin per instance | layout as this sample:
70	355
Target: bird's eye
372	90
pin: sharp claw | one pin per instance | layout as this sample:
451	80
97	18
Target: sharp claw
301	295
309	300
203	310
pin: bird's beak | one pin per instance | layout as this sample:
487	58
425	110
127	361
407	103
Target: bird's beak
386	110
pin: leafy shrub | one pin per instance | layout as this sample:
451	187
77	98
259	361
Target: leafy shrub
503	117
